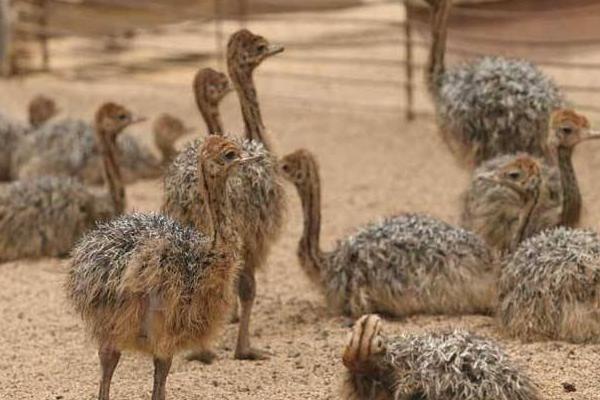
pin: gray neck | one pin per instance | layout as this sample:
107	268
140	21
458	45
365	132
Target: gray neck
112	171
525	219
213	190
572	202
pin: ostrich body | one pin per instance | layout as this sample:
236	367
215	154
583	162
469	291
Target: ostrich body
256	192
492	211
144	282
453	365
403	265
68	148
12	133
45	216
489	107
549	288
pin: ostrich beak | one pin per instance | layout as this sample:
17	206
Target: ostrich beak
591	134
136	119
245	160
274	49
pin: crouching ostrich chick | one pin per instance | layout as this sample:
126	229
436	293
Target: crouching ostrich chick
256	193
489	107
453	365
550	287
45	216
492	210
403	265
144	282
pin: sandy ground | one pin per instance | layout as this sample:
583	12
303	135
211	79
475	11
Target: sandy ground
372	162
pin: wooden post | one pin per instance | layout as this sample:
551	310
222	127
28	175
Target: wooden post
5	38
43	35
408	69
242	12
218	13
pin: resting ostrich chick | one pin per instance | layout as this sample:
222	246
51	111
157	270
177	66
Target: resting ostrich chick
210	87
489	107
403	265
433	366
492	210
550	287
40	110
46	216
68	148
257	192
144	282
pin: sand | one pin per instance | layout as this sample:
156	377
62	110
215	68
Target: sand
373	163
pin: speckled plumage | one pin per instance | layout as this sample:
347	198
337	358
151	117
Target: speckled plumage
491	106
492	210
550	288
11	133
410	264
255	191
451	365
121	263
45	216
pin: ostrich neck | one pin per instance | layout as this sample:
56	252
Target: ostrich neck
212	118
112	171
571	209
309	250
524	220
214	193
253	123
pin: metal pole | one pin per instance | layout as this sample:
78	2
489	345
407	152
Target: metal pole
408	68
219	33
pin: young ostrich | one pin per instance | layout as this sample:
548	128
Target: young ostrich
12	133
403	265
144	282
492	210
46	216
453	365
68	148
489	107
210	87
257	194
550	288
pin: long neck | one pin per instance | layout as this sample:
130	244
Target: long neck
571	209
309	252
166	146
439	30
212	117
524	219
213	190
112	172
244	86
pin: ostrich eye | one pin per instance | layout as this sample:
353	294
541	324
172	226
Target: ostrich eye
230	155
566	130
261	48
285	168
122	117
514	175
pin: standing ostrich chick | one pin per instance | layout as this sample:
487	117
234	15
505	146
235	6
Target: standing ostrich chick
45	216
403	265
453	365
257	193
144	282
550	287
210	87
492	211
489	107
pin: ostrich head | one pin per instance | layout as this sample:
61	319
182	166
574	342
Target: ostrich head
248	50
568	129
112	119
211	86
521	174
41	109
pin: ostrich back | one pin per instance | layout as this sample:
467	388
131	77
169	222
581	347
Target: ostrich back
149	283
255	196
454	366
550	287
496	106
43	217
492	210
410	264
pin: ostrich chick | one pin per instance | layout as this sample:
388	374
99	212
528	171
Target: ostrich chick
403	265
12	133
45	216
453	365
210	87
144	282
257	193
550	287
492	211
489	107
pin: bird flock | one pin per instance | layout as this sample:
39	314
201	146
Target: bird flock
164	283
